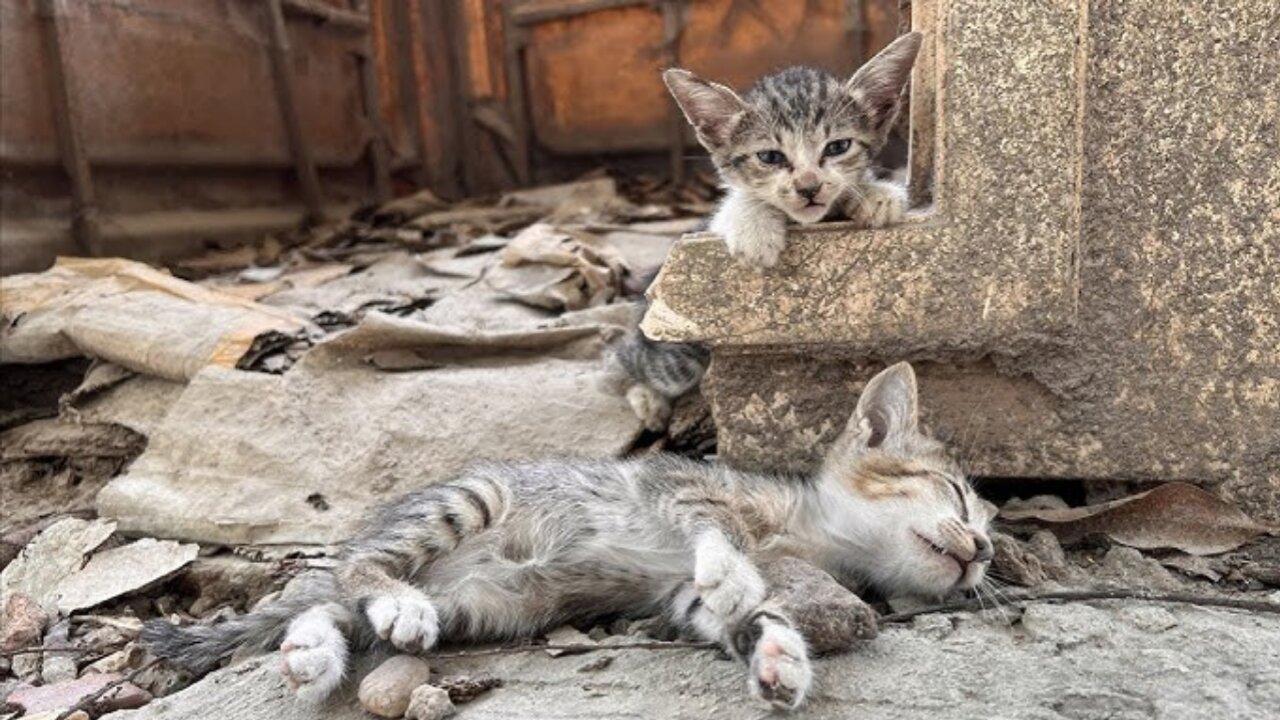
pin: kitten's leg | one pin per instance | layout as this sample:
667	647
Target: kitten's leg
314	651
776	655
407	537
879	203
754	231
729	584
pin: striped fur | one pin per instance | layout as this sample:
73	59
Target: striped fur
798	147
508	550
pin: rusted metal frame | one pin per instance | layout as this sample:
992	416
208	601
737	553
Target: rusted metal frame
410	100
516	17
66	117
672	28
461	69
515	38
304	161
330	15
531	14
167	156
376	130
445	163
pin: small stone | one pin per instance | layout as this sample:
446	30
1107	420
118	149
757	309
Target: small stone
567	635
1127	567
23	623
428	702
1150	618
1045	546
465	688
933	626
1015	564
1037	502
58	665
829	616
385	692
596	665
598	633
126	659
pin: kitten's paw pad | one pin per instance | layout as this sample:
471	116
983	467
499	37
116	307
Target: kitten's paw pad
883	204
407	622
780	671
313	657
727	582
652	409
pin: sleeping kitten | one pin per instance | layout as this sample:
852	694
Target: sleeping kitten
511	550
798	146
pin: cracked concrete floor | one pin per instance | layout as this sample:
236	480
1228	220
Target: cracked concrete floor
1120	660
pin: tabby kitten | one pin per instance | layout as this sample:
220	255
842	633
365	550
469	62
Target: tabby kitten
510	550
798	146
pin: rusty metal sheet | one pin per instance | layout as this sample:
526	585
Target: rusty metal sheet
186	79
593	77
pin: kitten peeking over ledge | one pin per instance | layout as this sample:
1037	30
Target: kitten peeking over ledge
798	146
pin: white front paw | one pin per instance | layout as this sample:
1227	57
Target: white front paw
728	583
780	671
652	409
313	655
883	204
408	622
757	245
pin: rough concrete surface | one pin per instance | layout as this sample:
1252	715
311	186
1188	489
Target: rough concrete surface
1077	662
1162	359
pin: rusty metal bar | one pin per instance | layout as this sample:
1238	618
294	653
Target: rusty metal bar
410	100
329	14
541	12
378	151
514	43
304	163
672	25
66	118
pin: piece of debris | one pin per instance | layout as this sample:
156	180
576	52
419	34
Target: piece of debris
1174	515
386	690
115	572
830	617
64	695
428	702
568	635
465	688
1035	502
596	665
24	622
56	553
56	663
556	269
1193	566
1045	546
1013	563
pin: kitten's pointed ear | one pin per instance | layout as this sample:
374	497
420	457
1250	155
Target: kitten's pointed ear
886	416
877	85
711	108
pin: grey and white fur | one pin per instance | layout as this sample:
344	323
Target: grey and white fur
510	550
798	147
653	374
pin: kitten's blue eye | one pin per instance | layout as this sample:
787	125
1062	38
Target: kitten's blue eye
836	147
771	157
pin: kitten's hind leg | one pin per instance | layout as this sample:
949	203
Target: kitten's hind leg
314	652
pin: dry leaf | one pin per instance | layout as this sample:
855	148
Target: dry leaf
1175	515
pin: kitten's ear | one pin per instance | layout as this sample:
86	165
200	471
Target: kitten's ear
877	85
886	416
711	108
